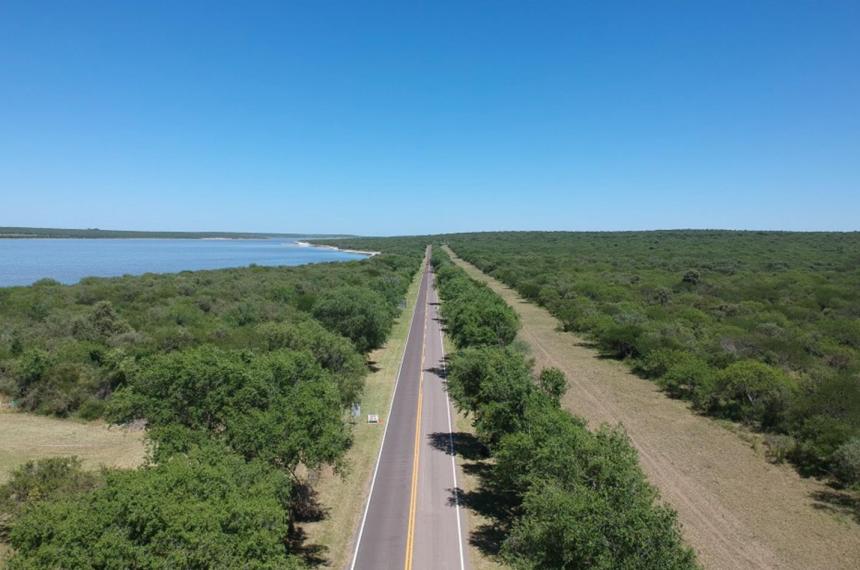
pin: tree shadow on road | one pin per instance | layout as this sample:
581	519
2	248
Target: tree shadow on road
487	500
465	445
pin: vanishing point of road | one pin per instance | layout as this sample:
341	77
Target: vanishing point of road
412	518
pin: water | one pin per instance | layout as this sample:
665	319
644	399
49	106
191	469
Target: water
24	261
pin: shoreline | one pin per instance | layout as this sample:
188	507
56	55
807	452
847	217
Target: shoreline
331	247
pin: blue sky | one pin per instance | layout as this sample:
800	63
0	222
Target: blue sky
404	117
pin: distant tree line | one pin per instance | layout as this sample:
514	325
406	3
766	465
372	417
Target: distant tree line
757	327
240	375
572	498
95	233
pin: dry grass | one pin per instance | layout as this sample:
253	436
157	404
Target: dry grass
343	497
736	509
28	436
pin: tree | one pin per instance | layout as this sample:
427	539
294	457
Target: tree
357	313
281	407
43	480
332	351
206	509
493	384
580	527
751	391
847	462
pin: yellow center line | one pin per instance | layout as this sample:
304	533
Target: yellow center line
413	501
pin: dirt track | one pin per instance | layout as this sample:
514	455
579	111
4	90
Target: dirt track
736	509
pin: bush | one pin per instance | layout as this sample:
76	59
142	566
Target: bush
281	407
474	315
583	528
553	383
333	352
207	509
779	447
846	462
42	480
687	376
91	409
787	300
493	384
359	314
750	391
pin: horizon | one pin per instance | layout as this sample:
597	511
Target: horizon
390	120
335	235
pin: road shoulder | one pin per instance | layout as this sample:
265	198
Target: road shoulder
343	496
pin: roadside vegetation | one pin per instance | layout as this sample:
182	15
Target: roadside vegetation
761	328
560	495
243	379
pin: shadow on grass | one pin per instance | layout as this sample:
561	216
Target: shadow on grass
314	555
306	508
838	502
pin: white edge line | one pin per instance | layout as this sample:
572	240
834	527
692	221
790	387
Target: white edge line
451	443
385	430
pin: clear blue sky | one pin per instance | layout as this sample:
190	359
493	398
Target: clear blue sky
402	117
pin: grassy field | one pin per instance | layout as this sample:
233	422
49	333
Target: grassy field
736	509
342	496
29	436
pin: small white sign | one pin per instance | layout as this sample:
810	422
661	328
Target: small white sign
372	418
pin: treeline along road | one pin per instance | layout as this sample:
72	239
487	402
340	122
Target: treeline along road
243	379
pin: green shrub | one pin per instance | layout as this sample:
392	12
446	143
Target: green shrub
846	462
553	383
207	509
91	409
779	447
750	391
359	314
281	407
42	480
687	376
493	384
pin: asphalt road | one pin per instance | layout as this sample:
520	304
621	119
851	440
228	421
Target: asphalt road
412	520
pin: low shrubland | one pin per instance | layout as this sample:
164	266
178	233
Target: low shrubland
240	377
568	497
761	328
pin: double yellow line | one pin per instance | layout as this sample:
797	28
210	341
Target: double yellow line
416	457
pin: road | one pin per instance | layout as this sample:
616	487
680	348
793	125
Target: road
412	520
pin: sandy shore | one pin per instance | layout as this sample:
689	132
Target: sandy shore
359	251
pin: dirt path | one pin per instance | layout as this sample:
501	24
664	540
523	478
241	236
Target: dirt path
736	509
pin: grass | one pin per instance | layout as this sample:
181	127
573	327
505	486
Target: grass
342	496
29	436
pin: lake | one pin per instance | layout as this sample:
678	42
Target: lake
24	261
